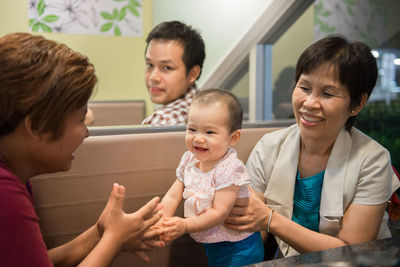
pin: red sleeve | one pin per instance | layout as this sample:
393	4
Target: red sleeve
21	242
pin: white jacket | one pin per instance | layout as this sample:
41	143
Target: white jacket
358	171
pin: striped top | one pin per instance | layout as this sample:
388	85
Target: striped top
306	202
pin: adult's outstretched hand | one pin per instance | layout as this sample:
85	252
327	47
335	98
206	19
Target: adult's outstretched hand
132	231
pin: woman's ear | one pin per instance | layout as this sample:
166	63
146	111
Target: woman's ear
28	128
235	136
357	109
194	73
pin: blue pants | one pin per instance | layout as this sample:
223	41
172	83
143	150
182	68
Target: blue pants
233	254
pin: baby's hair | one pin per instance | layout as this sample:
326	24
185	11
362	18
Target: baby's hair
210	96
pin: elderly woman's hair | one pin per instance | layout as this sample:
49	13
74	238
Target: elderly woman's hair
353	62
235	110
42	79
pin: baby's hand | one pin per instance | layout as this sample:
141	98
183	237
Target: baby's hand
174	227
158	224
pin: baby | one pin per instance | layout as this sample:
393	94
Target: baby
210	179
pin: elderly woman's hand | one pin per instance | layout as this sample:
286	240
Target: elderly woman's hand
248	214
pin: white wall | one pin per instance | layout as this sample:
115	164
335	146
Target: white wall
220	22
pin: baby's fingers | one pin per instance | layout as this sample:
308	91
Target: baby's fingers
153	232
167	222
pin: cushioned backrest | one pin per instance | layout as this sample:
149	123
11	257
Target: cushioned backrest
118	112
68	203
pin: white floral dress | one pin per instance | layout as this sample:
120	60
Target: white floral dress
200	188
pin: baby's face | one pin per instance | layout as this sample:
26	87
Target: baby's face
207	133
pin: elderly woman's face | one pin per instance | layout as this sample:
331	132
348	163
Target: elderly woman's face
321	104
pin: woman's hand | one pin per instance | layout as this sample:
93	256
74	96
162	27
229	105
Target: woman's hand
130	230
150	241
248	214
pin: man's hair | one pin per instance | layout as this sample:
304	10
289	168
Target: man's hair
235	110
42	79
353	62
191	40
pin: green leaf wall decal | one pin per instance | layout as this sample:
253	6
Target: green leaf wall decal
74	15
35	27
41	7
134	3
106	15
133	10
122	14
115	13
107	26
319	6
50	18
326	13
349	10
45	28
117	31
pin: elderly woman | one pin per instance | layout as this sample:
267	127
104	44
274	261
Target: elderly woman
44	89
322	183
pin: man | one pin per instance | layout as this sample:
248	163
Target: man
174	59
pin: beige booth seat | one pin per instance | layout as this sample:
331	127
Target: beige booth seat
118	112
68	203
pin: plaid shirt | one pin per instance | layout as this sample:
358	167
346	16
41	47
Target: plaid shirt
174	113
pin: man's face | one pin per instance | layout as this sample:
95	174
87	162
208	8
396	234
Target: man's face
165	73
